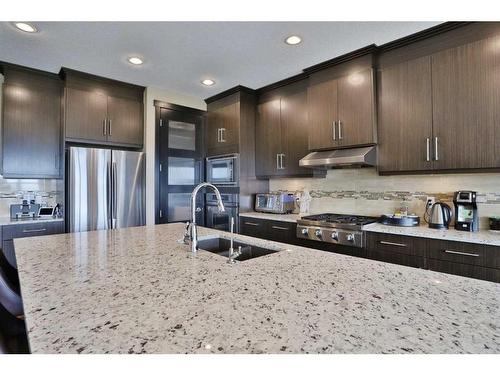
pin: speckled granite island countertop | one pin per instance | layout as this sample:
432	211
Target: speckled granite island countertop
137	290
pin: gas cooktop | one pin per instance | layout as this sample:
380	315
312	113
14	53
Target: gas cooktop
334	228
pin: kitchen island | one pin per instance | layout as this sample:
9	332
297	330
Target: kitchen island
138	290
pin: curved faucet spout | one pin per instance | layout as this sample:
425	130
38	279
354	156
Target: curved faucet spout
220	205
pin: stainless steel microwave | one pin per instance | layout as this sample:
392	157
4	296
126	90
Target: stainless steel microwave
223	170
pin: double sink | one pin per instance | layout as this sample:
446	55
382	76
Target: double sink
220	246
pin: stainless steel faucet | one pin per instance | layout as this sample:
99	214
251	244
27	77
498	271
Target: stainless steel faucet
233	254
193	232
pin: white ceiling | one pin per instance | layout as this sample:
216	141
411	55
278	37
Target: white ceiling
179	54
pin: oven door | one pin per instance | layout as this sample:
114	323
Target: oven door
222	220
223	170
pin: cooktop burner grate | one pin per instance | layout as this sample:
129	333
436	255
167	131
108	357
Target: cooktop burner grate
342	219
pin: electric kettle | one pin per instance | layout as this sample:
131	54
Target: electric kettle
439	216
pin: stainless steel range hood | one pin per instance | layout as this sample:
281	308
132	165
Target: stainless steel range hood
349	157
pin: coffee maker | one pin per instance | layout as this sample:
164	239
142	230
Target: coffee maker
466	211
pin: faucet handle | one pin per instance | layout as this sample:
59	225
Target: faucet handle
187	236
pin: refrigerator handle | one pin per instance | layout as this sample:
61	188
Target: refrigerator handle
114	193
109	187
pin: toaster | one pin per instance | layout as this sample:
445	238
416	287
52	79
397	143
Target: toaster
277	203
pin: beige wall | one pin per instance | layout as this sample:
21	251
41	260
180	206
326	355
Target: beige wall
364	192
150	96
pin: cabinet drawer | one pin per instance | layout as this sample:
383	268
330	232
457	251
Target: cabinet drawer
466	270
396	244
396	258
252	227
281	231
457	252
31	230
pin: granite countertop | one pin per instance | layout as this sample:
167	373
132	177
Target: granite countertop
8	221
483	236
137	290
291	218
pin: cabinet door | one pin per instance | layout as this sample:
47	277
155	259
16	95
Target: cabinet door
356	109
405	117
86	114
32	143
268	139
322	108
223	130
466	114
125	122
212	134
294	133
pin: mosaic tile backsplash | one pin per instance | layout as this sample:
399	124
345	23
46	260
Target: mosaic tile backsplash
364	192
13	190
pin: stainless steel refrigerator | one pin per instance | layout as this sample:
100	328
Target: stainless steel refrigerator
105	189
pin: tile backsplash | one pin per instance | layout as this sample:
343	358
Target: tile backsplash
13	190
362	191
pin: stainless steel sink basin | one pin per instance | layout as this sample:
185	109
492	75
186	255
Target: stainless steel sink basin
220	246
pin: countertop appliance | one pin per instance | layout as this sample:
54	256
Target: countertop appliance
105	189
24	210
439	216
467	218
334	228
494	223
223	170
277	203
221	220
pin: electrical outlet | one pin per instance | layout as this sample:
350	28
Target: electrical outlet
430	201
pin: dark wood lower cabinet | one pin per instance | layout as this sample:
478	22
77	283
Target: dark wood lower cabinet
457	258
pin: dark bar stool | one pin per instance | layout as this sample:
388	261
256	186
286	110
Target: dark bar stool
12	328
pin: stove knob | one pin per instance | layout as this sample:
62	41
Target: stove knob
350	237
335	236
305	232
317	232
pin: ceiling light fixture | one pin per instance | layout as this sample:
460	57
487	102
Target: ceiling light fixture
208	82
293	40
26	27
134	60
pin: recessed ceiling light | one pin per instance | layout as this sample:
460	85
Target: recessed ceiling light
26	27
208	82
293	40
135	60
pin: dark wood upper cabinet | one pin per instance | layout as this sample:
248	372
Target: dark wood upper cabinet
102	111
466	110
405	116
86	115
268	138
125	121
32	126
282	132
356	108
341	110
323	115
223	129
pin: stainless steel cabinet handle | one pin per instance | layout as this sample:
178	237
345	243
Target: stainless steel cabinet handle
109	126
334	130
282	161
340	129
104	127
251	224
393	243
428	157
278	161
461	253
223	134
218	135
436	155
279	228
34	230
